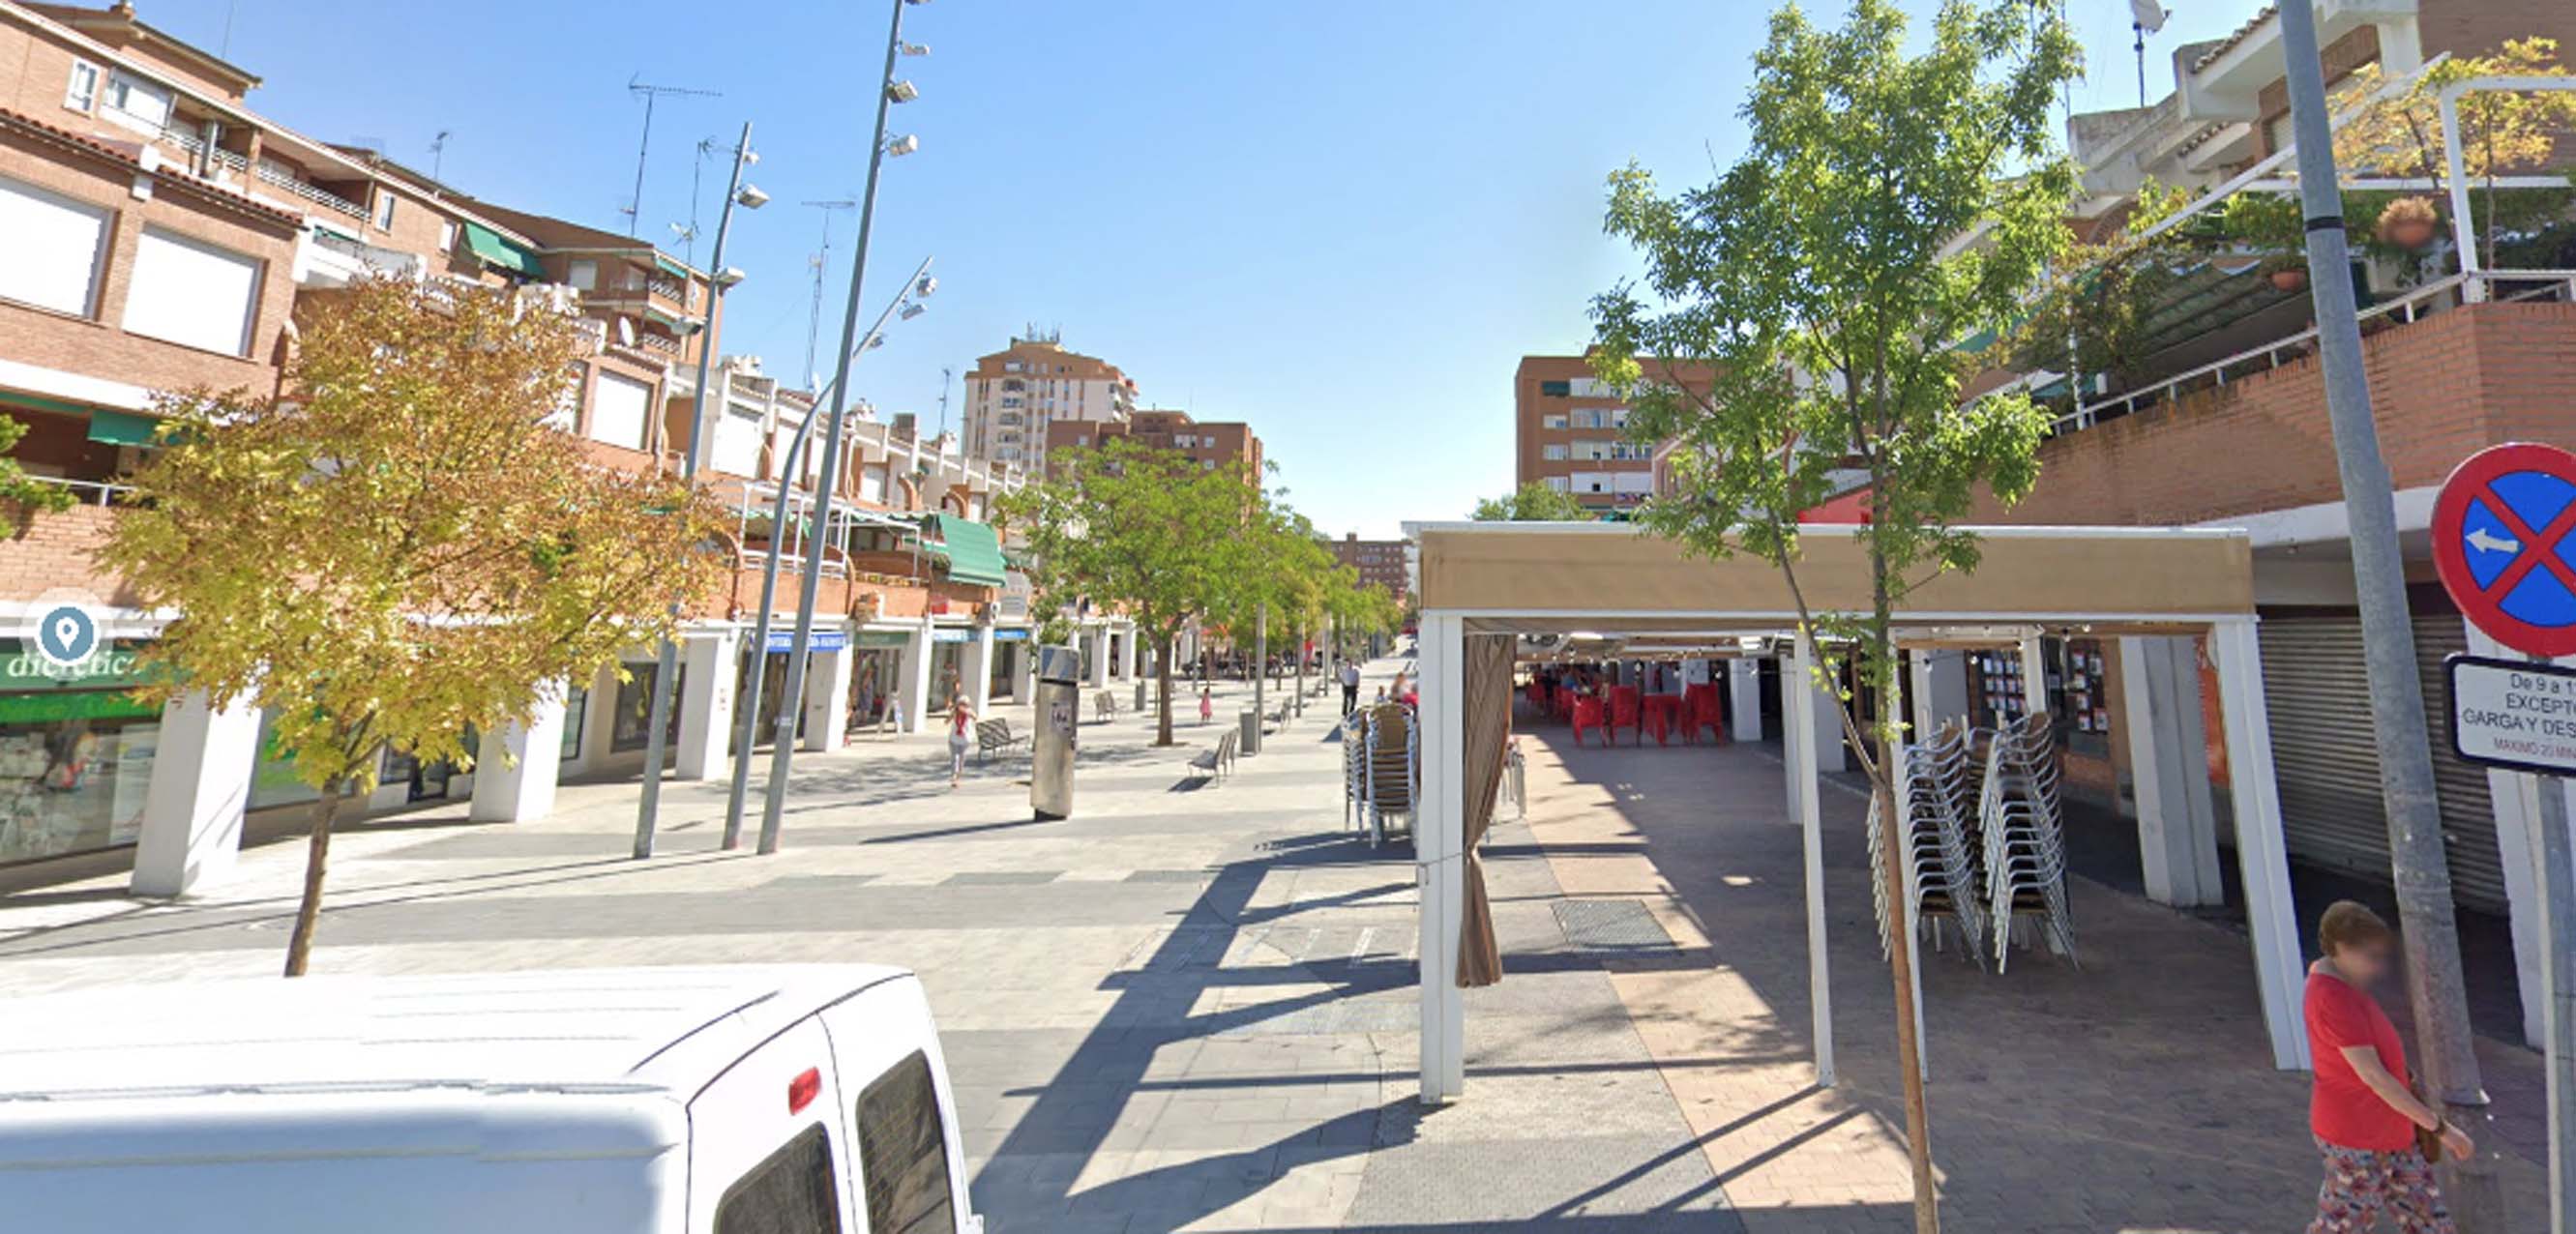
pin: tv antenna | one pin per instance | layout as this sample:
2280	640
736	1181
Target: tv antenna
821	259
437	153
945	375
644	145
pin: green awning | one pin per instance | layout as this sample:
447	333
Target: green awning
499	250
121	428
972	550
672	268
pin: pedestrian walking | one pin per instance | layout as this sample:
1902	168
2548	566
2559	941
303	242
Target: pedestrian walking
1350	687
2372	1129
1207	704
961	716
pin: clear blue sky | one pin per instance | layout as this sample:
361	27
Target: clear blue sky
1343	222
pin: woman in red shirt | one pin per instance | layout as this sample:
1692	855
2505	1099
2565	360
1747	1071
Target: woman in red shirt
2361	1112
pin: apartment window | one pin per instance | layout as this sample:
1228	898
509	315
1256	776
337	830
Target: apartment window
585	274
1555	389
82	91
192	293
617	410
136	103
1552	420
57	242
1553	452
385	210
872	483
446	235
1010	366
1559	483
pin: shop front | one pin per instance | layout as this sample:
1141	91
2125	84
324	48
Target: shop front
947	656
1010	647
876	676
76	753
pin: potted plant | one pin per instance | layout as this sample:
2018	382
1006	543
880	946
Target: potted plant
2286	275
2407	223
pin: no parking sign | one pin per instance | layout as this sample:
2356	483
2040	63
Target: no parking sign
2502	542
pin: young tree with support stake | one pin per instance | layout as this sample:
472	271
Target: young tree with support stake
1138	530
402	547
1816	278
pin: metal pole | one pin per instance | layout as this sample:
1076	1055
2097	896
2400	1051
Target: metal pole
2421	868
1260	667
2558	886
748	731
666	665
783	750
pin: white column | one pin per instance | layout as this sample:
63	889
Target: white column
1798	764
2262	853
2517	815
192	808
1095	659
827	700
1024	674
1439	829
516	769
1918	696
914	688
1744	698
1128	657
2034	676
2169	765
709	663
1825	713
975	666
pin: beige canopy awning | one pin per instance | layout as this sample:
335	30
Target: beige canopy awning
1611	585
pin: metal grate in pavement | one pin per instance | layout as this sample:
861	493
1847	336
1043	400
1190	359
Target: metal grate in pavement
1611	927
1003	878
1170	876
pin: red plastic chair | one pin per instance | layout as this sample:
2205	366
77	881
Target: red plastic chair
1587	713
1625	712
1661	709
1699	706
1537	694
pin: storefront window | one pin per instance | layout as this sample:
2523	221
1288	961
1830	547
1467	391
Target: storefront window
773	686
873	675
76	753
576	710
635	707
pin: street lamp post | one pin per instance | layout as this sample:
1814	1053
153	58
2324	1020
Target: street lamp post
782	757
666	665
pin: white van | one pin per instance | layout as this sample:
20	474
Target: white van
736	1100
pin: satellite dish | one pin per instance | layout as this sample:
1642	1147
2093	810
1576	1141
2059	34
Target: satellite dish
625	332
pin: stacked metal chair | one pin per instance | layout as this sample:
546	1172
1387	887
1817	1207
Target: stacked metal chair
1390	762
1941	879
2024	837
1354	771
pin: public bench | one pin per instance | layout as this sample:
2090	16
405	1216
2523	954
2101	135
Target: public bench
991	735
1219	759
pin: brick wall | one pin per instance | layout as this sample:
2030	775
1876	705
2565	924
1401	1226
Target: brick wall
55	550
2442	388
95	345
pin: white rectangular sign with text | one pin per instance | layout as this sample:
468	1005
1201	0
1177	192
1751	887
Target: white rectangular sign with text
2511	714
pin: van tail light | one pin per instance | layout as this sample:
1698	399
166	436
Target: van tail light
801	1090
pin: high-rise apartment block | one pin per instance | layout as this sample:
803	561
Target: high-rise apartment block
1014	395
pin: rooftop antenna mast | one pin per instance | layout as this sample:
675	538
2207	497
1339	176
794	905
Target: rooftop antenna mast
644	145
945	375
820	260
437	153
2145	17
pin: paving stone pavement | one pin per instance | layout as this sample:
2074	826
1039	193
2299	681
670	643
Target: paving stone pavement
1191	1006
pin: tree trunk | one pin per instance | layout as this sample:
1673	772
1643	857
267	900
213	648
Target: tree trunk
317	862
1163	690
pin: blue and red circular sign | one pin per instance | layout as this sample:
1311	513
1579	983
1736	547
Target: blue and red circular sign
2504	540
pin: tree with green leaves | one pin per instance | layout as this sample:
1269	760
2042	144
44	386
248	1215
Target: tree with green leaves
400	548
2502	132
1533	502
1138	530
1817	279
22	496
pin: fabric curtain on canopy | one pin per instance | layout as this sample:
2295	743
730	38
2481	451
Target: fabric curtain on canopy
1486	722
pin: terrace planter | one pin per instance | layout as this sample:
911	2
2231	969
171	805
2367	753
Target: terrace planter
2288	278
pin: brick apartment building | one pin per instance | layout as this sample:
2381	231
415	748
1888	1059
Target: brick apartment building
1214	443
1381	563
1571	434
2225	425
169	232
1016	395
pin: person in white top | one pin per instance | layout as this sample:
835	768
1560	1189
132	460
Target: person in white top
1350	686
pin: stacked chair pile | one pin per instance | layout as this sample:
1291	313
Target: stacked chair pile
2025	837
1941	879
1984	844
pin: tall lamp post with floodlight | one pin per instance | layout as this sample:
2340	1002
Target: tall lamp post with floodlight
721	278
890	91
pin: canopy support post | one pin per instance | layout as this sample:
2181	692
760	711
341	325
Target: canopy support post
1439	825
1798	764
2261	851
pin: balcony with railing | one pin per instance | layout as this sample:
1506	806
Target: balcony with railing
277	176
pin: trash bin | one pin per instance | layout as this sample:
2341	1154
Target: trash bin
1251	743
1059	714
1140	694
